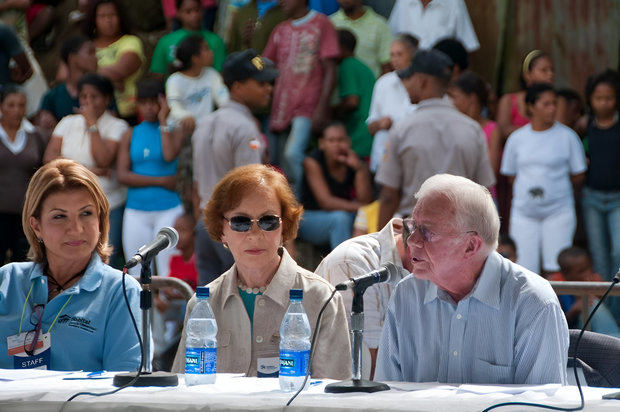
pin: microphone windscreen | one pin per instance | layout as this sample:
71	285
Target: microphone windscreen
392	271
171	234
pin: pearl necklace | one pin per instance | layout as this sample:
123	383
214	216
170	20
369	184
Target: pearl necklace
254	291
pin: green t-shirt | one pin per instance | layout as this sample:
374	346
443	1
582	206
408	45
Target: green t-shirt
165	50
356	79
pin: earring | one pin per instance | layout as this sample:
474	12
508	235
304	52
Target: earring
225	245
40	240
280	250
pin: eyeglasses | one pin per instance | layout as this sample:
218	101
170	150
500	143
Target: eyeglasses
267	223
410	226
37	315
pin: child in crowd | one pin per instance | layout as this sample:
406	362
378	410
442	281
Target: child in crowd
570	109
507	247
183	263
305	49
189	14
147	164
355	84
576	266
225	139
469	94
194	89
78	53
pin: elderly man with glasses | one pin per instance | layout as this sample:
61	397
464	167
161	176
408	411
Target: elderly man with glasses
468	315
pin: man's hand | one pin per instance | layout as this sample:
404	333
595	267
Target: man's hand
188	124
385	123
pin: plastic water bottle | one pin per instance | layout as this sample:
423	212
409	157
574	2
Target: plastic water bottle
201	342
294	344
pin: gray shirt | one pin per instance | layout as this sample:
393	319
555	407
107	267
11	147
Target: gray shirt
223	140
435	138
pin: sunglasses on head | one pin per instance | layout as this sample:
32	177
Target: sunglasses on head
267	223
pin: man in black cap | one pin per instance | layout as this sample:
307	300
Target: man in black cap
225	139
435	138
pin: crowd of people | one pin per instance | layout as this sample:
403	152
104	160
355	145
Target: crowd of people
382	146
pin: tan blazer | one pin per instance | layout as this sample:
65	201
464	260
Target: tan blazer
239	346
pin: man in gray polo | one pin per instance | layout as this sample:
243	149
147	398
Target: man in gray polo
225	139
435	138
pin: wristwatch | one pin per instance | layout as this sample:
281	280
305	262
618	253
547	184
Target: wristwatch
166	128
93	129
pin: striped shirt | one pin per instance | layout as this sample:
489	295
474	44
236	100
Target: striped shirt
509	329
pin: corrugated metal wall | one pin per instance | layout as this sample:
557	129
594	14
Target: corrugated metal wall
582	36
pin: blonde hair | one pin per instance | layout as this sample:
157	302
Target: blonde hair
62	175
474	209
230	190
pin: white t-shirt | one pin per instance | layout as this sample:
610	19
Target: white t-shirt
76	146
194	96
389	98
542	163
439	20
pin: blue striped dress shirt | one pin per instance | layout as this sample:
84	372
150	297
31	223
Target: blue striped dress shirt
509	329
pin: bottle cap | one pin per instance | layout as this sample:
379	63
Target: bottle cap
296	294
202	292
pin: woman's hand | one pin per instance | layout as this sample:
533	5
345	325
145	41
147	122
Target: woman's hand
88	111
169	182
385	123
351	159
164	110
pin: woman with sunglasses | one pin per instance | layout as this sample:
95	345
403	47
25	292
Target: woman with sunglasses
65	309
253	212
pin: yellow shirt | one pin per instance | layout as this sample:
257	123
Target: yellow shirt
108	56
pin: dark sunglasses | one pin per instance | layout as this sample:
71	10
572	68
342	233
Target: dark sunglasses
267	223
36	318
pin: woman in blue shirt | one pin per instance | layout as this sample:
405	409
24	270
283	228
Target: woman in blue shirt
147	164
65	310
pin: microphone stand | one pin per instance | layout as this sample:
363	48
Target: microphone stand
146	377
357	384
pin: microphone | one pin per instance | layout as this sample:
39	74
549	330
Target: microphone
384	274
166	237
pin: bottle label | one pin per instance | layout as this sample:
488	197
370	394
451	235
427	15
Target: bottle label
200	360
294	362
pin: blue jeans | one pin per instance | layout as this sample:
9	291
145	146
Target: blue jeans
212	258
288	150
115	237
320	227
601	213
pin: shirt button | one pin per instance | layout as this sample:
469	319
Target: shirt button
261	302
455	353
458	316
259	339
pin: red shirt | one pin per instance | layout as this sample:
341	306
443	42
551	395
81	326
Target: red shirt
183	270
297	47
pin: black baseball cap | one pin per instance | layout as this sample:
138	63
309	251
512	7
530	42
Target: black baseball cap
248	64
432	62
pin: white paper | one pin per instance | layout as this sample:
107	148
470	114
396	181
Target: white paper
21	374
549	389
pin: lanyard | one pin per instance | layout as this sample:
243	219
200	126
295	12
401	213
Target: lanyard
24	310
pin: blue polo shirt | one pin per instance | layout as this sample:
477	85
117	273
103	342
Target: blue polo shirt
93	331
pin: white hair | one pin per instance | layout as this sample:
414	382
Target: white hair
473	205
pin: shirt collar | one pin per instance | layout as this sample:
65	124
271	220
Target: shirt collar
277	290
435	101
231	104
90	280
486	288
19	143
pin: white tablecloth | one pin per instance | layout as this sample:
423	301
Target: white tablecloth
233	393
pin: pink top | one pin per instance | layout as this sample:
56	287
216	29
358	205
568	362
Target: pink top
515	117
297	48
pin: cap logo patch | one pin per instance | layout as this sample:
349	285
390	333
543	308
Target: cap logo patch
258	63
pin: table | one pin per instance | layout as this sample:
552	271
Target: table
232	392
